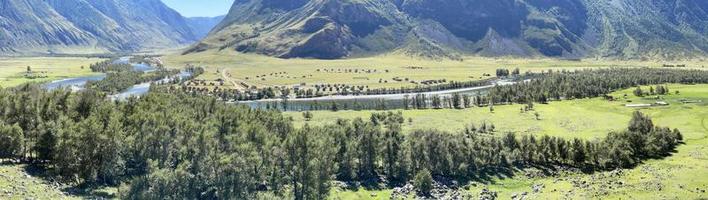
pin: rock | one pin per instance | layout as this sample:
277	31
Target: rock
537	188
486	194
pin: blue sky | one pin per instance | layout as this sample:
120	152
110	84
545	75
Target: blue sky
200	8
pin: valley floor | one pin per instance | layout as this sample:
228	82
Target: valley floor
13	70
684	175
384	71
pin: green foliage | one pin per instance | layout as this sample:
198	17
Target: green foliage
118	81
638	92
307	115
423	182
11	141
590	83
179	146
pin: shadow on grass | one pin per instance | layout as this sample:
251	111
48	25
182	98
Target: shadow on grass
84	191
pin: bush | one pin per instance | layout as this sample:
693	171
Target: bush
423	182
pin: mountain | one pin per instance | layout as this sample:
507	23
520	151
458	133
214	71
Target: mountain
330	29
69	26
201	26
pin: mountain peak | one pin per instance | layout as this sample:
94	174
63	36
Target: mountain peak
71	26
573	28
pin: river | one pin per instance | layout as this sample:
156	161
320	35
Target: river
362	102
78	83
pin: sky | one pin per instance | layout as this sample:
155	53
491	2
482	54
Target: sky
200	8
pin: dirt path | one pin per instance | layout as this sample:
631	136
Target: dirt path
236	82
226	77
703	123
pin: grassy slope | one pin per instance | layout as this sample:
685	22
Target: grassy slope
675	177
241	66
12	70
15	183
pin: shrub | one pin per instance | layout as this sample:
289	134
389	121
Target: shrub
423	182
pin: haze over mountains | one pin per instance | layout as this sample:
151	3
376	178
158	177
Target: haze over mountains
201	26
449	28
91	26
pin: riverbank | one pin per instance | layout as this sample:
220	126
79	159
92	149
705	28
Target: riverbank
401	96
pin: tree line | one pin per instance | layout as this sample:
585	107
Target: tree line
185	146
115	82
110	66
251	94
590	83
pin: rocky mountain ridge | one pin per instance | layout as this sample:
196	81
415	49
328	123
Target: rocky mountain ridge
330	29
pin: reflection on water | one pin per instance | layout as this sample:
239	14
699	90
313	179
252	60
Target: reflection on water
373	102
144	88
367	102
73	83
142	67
136	90
79	83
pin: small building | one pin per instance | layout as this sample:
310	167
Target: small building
641	105
662	103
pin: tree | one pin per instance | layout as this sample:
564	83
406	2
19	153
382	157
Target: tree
661	90
368	137
334	107
392	151
638	92
406	102
502	72
307	115
437	104
310	164
678	135
423	182
11	141
467	101
457	101
47	142
516	72
578	154
640	123
538	116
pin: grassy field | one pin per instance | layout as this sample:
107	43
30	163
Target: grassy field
13	69
17	184
683	175
256	70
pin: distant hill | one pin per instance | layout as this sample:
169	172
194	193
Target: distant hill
330	29
202	25
75	26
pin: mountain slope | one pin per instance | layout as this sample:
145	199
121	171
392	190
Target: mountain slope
449	28
201	26
66	26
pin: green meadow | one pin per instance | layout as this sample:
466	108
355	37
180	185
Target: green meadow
256	70
14	69
684	175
